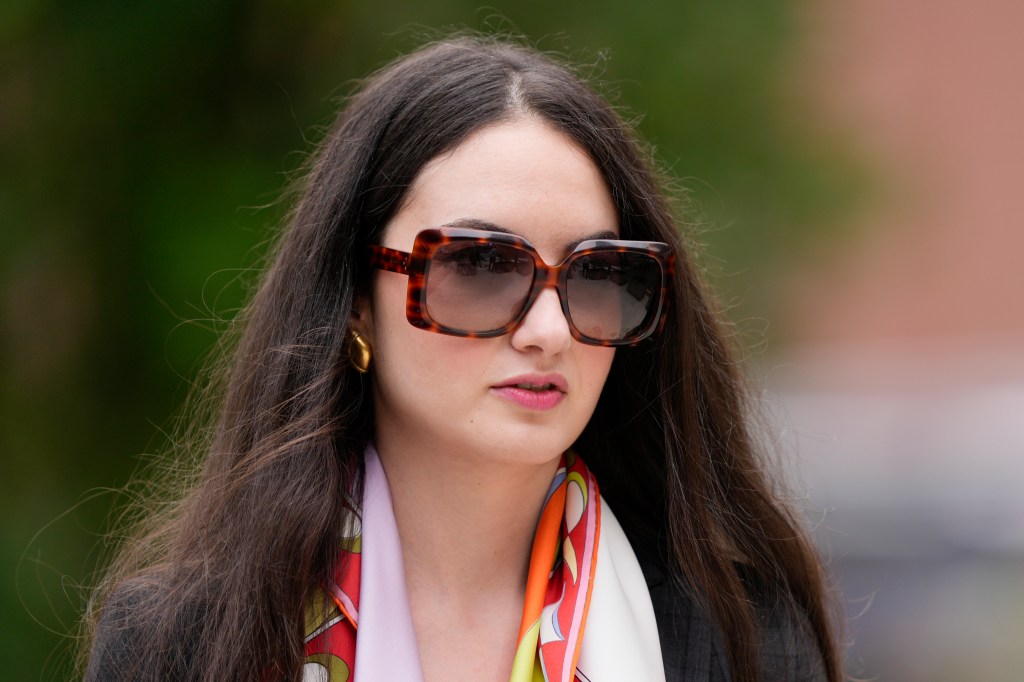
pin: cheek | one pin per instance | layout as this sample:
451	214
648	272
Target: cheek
392	337
411	361
388	303
595	363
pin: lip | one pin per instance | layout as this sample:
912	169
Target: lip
531	399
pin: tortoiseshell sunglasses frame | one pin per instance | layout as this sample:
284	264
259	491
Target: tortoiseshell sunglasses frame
414	265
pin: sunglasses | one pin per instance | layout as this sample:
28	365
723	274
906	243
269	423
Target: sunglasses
480	284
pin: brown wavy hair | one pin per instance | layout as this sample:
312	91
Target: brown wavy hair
213	583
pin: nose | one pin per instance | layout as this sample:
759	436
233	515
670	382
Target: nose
544	327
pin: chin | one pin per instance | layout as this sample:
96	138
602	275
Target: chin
528	446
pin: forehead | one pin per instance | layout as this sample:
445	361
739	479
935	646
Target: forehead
523	177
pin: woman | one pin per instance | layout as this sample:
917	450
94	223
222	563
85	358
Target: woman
481	414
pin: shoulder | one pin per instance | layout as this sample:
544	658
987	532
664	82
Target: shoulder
789	648
127	645
115	640
692	645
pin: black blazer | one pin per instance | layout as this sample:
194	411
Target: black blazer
693	648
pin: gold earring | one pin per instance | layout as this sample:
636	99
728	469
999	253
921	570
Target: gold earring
359	352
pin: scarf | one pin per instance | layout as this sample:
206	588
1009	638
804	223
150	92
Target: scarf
583	578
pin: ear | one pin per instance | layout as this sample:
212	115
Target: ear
360	318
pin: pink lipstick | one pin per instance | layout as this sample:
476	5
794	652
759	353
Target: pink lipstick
533	391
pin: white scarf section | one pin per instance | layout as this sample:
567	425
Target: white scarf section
621	640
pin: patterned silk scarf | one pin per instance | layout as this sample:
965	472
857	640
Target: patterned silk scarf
560	583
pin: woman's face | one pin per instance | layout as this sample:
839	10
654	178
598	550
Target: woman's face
456	394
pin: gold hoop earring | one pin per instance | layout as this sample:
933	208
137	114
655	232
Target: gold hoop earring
359	352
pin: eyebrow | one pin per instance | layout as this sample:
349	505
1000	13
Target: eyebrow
477	224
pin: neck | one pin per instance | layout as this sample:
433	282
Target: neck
466	524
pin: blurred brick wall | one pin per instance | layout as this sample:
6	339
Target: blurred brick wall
932	91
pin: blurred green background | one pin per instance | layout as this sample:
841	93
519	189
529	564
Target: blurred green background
143	148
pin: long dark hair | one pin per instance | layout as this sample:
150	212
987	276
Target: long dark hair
214	585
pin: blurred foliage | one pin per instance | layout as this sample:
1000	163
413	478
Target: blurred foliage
137	140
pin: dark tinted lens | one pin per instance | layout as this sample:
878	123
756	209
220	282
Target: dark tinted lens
613	295
476	287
